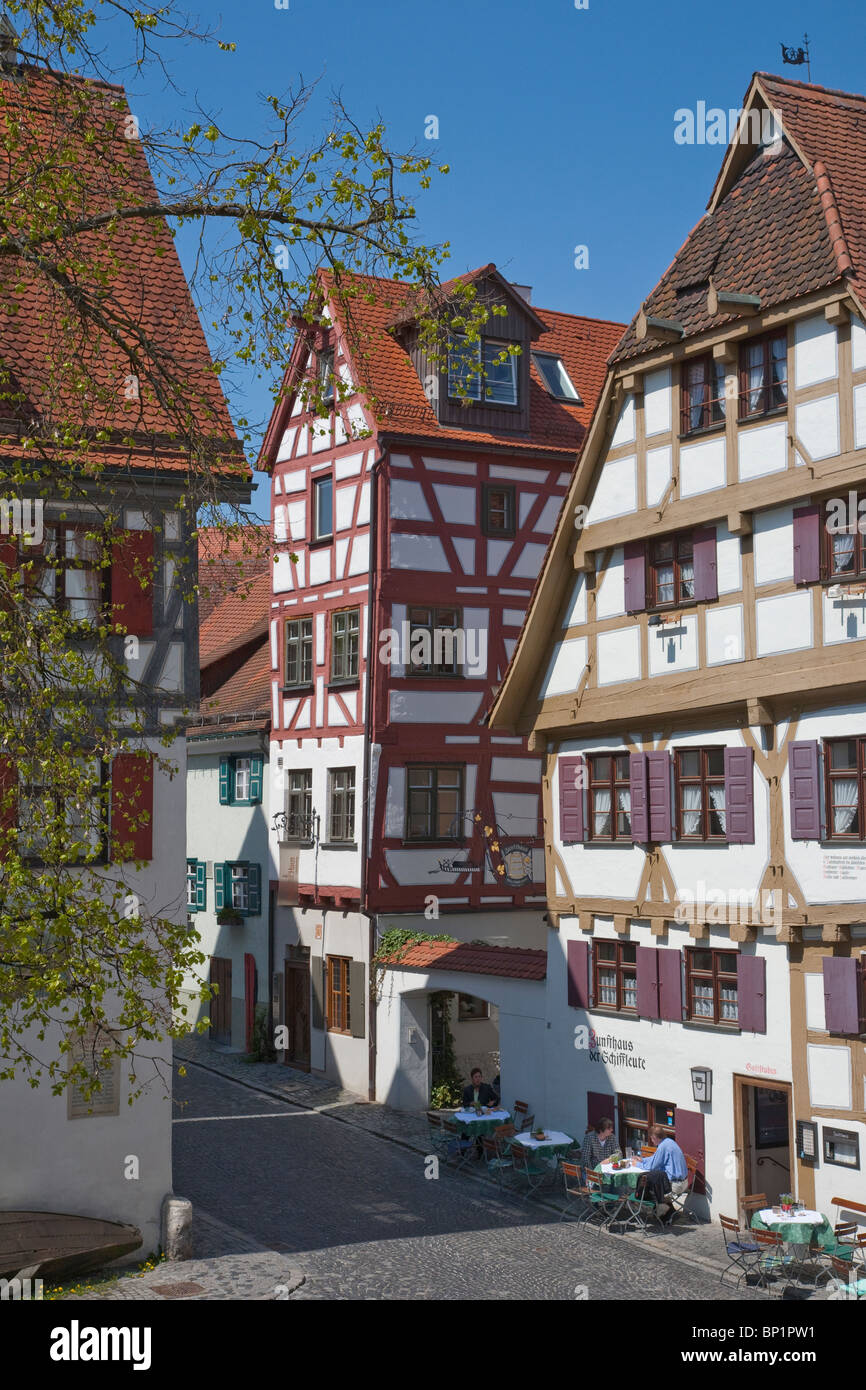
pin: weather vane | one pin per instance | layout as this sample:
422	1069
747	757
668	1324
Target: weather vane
797	56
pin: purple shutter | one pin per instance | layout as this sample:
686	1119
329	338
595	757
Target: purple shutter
807	544
752	993
647	982
670	985
577	959
804	790
571	781
634	567
841	1012
739	796
704	559
659	789
689	1134
599	1107
637	768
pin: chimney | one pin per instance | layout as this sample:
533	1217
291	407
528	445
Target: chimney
525	291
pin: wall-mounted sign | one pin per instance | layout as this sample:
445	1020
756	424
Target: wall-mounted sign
614	1052
517	858
456	866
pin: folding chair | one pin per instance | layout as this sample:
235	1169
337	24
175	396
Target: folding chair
535	1172
459	1146
527	1123
772	1260
757	1201
576	1191
678	1200
497	1164
519	1109
743	1253
439	1140
603	1205
647	1150
640	1210
845	1281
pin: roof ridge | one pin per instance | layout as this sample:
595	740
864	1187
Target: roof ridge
813	88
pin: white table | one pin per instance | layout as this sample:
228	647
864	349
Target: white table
555	1139
465	1117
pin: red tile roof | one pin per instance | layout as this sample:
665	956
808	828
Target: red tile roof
229	562
237	619
247	691
137	274
384	368
515	962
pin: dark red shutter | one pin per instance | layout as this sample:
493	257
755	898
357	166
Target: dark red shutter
577	959
704	557
841	1012
8	798
689	1134
571	779
634	568
670	965
647	982
807	544
132	806
637	773
752	993
659	787
739	796
599	1107
132	582
804	790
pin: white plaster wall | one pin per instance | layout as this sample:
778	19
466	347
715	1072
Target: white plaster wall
702	466
610	596
618	655
762	449
814	351
567	665
673	647
657	402
826	872
784	623
616	490
773	545
818	426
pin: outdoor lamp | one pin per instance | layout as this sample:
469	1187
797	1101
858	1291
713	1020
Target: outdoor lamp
702	1083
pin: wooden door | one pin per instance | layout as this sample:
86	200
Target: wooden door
220	1007
750	1177
298	1015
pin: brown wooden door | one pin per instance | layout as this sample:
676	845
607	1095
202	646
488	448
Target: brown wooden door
298	1015
220	1007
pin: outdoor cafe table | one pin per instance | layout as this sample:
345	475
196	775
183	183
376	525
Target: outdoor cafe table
554	1143
625	1179
476	1125
796	1228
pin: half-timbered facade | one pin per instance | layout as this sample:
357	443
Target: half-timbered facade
409	526
692	670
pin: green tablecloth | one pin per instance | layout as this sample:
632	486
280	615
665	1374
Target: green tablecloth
798	1232
478	1124
621	1182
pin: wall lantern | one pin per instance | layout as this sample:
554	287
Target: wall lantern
702	1083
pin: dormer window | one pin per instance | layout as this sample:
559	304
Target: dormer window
552	371
763	376
484	365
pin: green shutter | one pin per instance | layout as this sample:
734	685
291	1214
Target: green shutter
256	765
200	887
219	886
254	889
225	781
357	997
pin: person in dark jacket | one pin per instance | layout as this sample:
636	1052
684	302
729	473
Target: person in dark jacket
478	1092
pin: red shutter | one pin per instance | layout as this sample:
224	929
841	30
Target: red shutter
689	1134
637	773
599	1107
659	785
634	568
704	557
670	963
739	796
8	798
804	790
132	582
571	780
752	993
807	544
132	807
577	958
841	995
647	982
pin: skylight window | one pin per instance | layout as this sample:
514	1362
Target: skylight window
552	372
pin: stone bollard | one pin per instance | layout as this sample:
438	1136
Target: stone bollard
176	1227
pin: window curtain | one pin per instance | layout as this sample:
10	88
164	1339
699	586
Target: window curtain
717	802
601	813
691	810
844	792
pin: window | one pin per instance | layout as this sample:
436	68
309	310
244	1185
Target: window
637	1116
702	395
68	574
434	645
68	820
484	366
700	785
299	651
552	372
609	797
435	803
672	571
299	805
345	641
844	547
241	779
498	510
845	771
341	813
323	508
763	376
238	888
615	974
339	1001
196	886
711	985
469	1008
325	375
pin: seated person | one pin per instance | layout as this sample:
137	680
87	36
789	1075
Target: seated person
669	1164
599	1144
478	1092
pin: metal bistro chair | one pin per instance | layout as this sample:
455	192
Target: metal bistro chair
845	1281
576	1191
439	1140
459	1147
743	1252
497	1163
756	1201
603	1204
678	1201
773	1259
530	1170
519	1110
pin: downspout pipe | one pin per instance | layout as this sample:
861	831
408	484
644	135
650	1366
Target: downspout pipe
372	610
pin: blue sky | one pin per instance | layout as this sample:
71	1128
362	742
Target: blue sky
557	123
